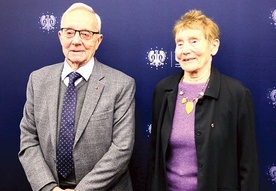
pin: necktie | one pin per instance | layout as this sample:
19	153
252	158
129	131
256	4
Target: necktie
65	162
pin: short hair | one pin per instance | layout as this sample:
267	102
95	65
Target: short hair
83	6
195	19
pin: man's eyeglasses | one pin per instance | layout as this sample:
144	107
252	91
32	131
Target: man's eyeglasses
84	34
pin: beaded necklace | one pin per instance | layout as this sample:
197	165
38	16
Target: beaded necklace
190	103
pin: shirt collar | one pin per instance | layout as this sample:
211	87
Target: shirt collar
85	71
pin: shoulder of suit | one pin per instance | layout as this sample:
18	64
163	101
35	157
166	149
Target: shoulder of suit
111	72
231	84
48	70
49	67
170	81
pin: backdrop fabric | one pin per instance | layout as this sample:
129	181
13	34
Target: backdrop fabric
138	40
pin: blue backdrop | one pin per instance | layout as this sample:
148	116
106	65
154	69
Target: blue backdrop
133	30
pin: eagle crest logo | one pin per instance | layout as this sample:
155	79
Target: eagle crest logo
48	22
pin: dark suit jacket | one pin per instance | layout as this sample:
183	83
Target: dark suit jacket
224	135
104	136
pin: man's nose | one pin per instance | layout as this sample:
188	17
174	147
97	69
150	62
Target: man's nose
77	39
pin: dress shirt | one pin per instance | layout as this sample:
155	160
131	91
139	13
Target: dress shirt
85	71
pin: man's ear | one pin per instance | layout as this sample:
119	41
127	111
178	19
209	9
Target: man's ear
99	40
59	36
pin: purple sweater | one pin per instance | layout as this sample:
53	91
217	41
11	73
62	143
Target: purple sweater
182	162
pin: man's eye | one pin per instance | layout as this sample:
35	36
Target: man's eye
87	34
70	32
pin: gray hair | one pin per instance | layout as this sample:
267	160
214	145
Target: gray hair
76	6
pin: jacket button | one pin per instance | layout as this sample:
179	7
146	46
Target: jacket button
200	165
198	133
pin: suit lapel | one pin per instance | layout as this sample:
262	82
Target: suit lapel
171	89
171	98
93	93
171	93
52	90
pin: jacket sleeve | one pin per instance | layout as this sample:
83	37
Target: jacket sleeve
153	144
30	155
156	180
247	149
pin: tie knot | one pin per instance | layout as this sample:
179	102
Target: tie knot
73	76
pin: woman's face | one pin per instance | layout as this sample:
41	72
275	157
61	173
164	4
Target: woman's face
193	51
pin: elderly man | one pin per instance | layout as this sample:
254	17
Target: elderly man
77	130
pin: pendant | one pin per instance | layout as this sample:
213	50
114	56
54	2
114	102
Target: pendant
184	100
189	107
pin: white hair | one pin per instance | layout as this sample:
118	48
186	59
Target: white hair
76	6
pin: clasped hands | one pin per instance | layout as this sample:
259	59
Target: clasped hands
59	189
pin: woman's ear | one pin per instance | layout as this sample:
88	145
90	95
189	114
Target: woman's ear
215	46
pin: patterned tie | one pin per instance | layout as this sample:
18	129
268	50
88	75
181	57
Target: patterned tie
65	162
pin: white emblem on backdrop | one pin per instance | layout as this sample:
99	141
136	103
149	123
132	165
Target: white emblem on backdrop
272	96
177	65
158	58
272	173
148	131
273	17
48	22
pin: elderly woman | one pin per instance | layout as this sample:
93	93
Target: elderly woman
203	132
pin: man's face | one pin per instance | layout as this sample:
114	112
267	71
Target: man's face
193	51
76	50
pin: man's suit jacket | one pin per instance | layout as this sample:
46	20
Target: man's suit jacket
104	135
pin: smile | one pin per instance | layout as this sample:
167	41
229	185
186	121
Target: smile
188	59
76	50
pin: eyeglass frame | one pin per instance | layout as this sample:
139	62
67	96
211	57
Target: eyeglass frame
79	31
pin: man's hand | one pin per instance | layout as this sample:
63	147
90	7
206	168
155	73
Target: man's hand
57	189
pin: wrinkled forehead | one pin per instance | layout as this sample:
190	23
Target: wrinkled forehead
193	25
186	33
193	28
79	18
